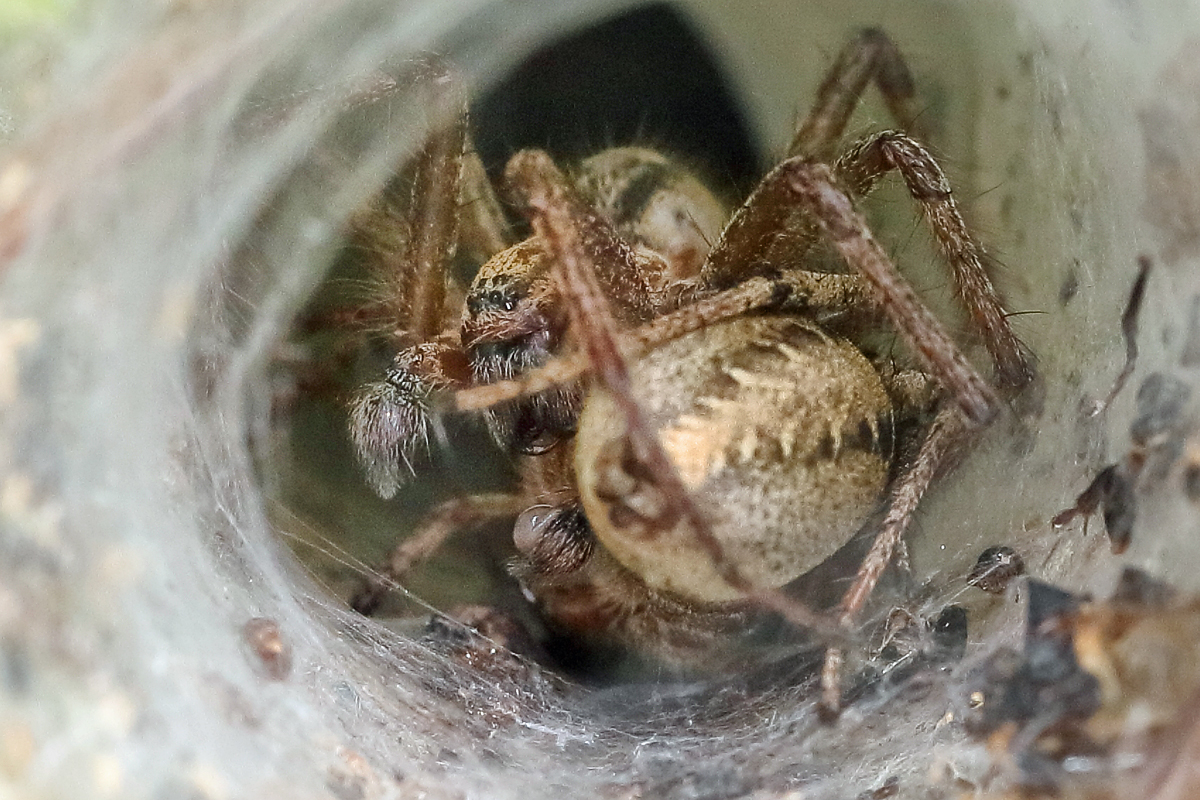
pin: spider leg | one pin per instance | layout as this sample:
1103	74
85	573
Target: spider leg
861	168
817	191
558	371
870	56
755	293
483	229
457	514
813	187
750	243
569	227
409	233
432	214
972	402
766	229
946	440
411	241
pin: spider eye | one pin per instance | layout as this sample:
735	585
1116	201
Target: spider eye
504	299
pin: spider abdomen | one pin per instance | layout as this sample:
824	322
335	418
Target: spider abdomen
778	430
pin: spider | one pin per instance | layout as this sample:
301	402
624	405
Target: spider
695	420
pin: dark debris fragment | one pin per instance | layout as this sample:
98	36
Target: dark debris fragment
1159	406
1155	437
487	668
1034	703
484	637
995	569
949	635
1136	587
1110	492
1129	328
1101	701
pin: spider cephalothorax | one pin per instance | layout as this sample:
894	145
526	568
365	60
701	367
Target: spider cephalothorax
696	419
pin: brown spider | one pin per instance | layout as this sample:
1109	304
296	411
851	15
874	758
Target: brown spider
695	423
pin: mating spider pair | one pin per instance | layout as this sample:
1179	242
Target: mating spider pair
696	419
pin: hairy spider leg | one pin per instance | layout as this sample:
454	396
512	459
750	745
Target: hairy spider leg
870	56
860	169
446	519
975	403
948	438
